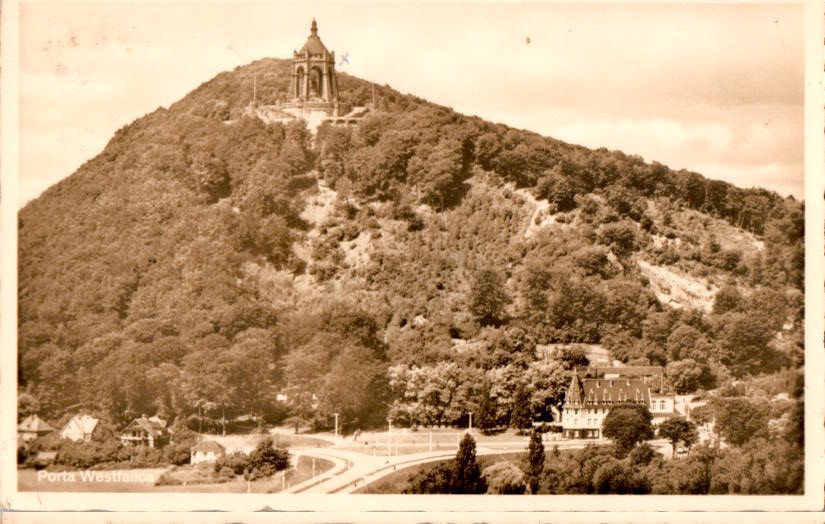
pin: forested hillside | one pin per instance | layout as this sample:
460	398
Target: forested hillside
205	261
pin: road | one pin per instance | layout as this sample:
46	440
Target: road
353	470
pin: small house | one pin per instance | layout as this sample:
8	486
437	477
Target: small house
79	428
44	459
31	428
144	431
206	451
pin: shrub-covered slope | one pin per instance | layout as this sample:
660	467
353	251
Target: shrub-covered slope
206	260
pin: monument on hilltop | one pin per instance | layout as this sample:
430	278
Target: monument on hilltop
313	90
313	87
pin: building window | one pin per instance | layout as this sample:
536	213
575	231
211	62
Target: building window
661	405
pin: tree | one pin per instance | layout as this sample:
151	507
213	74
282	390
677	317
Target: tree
504	478
354	386
521	417
619	237
677	429
684	375
466	473
686	341
612	475
739	419
211	175
509	346
267	459
436	177
627	425
573	357
26	405
557	189
727	299
486	418
460	475
548	384
642	455
534	464
488	298
743	343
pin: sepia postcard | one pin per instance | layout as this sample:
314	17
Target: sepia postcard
356	261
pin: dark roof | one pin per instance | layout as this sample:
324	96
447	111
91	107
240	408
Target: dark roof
34	424
208	445
152	427
313	43
630	371
574	391
595	390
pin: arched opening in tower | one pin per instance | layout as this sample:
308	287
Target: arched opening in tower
299	84
315	77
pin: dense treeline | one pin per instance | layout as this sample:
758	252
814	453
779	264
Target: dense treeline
762	457
187	270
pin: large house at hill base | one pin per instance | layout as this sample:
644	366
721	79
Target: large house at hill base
144	431
588	399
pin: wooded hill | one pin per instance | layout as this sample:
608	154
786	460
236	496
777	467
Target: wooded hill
409	265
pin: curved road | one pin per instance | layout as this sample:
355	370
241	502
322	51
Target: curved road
353	470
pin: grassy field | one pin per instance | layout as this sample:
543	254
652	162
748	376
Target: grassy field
405	441
247	442
395	483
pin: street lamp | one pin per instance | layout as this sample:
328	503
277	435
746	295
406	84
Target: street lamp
336	429
389	437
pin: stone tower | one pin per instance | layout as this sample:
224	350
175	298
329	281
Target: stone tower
313	86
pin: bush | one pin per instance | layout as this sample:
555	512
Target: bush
22	454
84	455
177	454
192	475
504	478
437	480
236	462
145	457
203	424
266	459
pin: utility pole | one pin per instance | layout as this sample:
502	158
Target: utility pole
389	437
336	430
471	423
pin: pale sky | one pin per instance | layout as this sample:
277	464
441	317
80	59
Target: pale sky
718	89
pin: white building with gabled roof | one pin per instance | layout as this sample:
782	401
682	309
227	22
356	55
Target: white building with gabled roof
79	427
